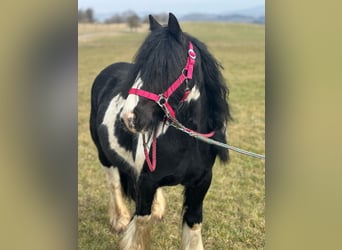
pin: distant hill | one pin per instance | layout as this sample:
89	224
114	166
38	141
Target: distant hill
251	15
236	18
256	11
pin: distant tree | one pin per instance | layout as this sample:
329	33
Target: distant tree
129	17
86	16
133	21
145	19
126	14
115	19
81	16
90	15
161	18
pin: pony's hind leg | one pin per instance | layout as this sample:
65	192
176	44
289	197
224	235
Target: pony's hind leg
193	214
118	212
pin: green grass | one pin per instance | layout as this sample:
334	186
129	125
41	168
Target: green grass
235	204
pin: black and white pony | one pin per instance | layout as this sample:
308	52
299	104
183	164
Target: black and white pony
133	109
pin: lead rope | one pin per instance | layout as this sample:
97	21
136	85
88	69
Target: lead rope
203	137
221	144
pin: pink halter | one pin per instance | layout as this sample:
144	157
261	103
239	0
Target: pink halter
162	99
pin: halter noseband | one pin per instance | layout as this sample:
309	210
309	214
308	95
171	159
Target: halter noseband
162	99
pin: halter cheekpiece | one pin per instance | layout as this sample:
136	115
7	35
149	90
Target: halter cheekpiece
163	101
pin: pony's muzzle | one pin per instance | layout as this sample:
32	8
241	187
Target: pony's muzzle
129	121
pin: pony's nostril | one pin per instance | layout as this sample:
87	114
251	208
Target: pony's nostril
129	120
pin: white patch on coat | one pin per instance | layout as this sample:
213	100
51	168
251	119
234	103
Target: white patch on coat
162	129
191	237
193	95
109	120
140	155
132	99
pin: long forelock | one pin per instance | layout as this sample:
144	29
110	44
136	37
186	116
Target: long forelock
160	60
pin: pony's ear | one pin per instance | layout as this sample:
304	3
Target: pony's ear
154	25
173	26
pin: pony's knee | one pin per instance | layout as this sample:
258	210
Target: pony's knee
112	178
192	237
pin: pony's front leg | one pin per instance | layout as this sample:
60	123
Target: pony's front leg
158	206
192	218
137	235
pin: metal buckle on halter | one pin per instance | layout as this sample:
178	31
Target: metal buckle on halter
161	101
192	53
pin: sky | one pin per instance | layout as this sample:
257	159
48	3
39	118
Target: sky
178	7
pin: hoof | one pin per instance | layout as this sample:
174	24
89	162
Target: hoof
120	225
137	235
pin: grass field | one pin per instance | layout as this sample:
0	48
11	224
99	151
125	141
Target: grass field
234	207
